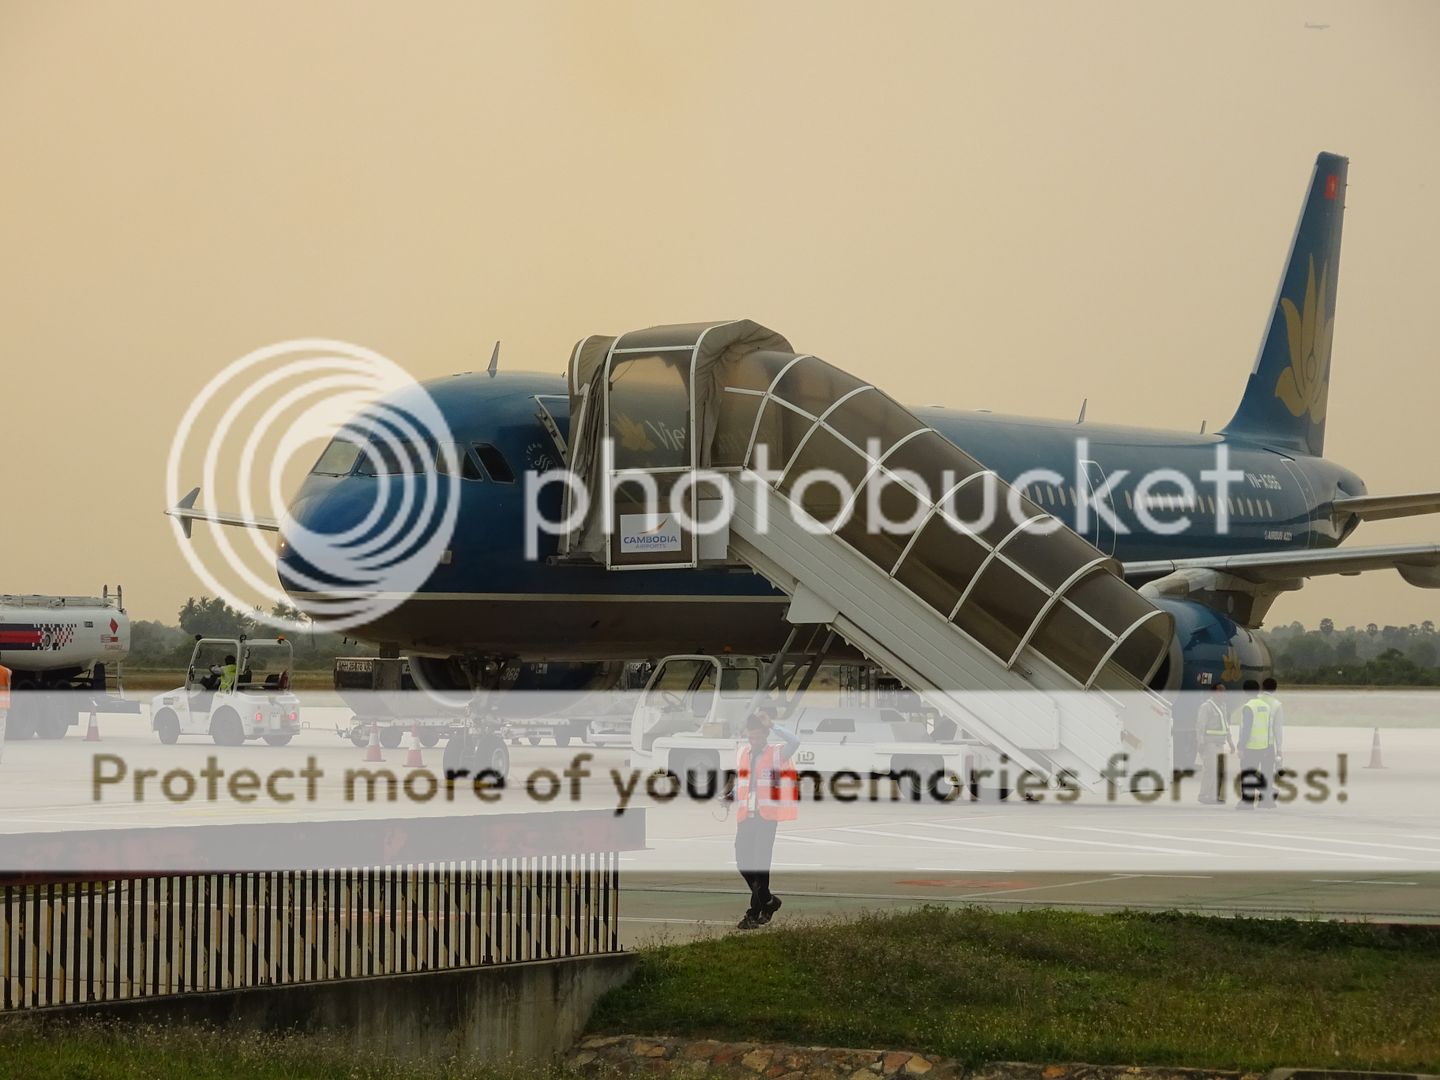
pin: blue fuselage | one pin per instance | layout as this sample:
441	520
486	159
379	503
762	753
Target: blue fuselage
489	599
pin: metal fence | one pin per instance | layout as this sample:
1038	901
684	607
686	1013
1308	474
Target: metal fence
79	940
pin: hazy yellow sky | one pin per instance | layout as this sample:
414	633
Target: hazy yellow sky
1011	206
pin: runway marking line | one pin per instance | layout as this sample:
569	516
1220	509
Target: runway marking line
868	831
1061	839
1237	843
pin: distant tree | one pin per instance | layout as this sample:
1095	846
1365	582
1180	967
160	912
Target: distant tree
1327	627
1427	627
1371	629
213	617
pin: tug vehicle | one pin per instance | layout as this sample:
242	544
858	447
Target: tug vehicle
236	689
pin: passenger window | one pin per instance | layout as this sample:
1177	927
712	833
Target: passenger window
495	463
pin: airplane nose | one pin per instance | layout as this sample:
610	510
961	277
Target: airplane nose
361	535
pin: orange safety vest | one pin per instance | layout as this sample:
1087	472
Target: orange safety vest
779	786
4	688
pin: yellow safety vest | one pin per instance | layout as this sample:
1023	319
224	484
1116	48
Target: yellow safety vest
227	677
1259	724
1214	718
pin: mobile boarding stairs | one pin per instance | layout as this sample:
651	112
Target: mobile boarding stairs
1003	619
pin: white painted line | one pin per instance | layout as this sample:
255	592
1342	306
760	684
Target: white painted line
927	839
1357	881
1178	877
966	870
1360	843
1061	839
1238	843
686	922
1034	888
813	840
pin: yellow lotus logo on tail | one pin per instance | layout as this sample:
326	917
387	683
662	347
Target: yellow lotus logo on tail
1231	670
1302	386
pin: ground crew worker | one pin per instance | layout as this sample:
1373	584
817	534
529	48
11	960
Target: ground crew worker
4	703
1213	723
1257	751
1277	717
766	792
226	671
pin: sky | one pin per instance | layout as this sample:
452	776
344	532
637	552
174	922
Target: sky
1005	206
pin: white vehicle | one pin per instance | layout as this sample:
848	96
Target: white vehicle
235	689
691	716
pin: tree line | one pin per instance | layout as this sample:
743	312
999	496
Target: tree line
155	645
1371	655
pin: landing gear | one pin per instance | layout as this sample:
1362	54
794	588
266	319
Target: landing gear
468	755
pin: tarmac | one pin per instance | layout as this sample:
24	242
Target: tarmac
1375	855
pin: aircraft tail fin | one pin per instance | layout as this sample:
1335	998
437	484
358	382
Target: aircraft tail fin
1285	400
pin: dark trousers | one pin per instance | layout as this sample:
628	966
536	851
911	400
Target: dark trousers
1257	777
754	845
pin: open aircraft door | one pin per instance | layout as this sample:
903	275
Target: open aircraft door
1101	525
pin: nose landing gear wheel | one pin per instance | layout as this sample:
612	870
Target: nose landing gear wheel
471	755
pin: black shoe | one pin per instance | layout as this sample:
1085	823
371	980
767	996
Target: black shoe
749	922
768	911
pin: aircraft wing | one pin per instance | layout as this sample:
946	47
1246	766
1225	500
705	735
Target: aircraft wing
1419	564
187	513
1380	507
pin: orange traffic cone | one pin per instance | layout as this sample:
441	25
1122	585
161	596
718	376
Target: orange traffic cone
413	760
1375	762
372	752
92	731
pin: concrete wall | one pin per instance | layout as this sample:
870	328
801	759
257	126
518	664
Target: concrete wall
523	1012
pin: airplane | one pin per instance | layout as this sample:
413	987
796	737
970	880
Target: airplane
1289	516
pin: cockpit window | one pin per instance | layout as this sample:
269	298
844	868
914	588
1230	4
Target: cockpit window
495	463
338	458
385	457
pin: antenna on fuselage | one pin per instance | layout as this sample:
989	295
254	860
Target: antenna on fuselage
1202	426
1083	406
494	360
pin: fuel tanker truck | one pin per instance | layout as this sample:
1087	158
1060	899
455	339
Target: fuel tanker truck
64	655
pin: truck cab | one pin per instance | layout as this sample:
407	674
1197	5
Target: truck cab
235	689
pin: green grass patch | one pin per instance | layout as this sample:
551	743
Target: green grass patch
36	1050
1044	986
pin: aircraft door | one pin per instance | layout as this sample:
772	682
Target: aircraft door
1100	530
551	407
649	423
1307	496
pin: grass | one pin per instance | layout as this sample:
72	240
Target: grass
92	1051
1045	986
1040	986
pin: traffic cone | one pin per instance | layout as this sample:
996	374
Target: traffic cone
1375	762
92	731
372	752
413	760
